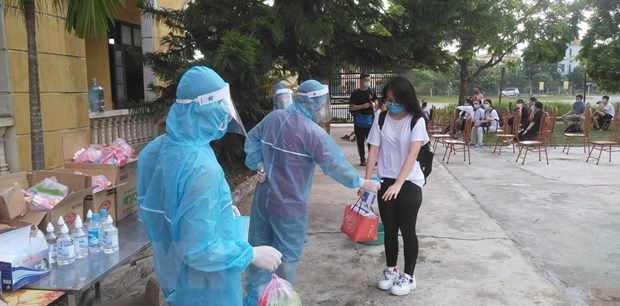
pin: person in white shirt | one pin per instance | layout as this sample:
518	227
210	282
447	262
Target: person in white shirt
478	115
395	147
604	112
490	123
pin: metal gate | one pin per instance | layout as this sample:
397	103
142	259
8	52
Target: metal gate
343	84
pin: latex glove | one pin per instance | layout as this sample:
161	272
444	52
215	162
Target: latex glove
262	176
267	258
236	211
371	185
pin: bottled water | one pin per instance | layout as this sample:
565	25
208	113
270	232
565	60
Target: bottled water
89	216
50	237
66	249
110	236
103	216
96	103
59	225
94	245
369	197
80	239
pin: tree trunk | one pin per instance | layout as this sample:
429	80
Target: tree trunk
463	75
36	129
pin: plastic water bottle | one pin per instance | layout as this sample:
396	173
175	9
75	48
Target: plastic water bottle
50	237
96	103
80	239
66	249
59	225
110	236
89	216
369	197
94	245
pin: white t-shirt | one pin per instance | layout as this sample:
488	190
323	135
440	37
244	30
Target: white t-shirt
494	116
609	109
394	140
466	108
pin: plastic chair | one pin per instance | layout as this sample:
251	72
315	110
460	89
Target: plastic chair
506	139
585	135
607	145
536	145
457	145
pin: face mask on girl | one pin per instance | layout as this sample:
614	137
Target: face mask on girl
520	106
395	108
366	84
485	106
476	106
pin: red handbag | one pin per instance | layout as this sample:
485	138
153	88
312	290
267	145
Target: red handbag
359	223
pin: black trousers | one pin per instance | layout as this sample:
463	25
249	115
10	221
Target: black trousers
361	133
401	214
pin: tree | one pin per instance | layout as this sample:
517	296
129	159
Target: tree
497	28
252	45
84	18
600	47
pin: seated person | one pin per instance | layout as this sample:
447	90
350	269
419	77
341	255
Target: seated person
489	123
465	110
531	131
524	116
604	112
575	114
478	115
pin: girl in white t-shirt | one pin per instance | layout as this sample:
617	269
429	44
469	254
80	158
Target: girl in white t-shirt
395	148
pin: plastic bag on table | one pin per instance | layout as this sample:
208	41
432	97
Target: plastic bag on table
278	292
50	185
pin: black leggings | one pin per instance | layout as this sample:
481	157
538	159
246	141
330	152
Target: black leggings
361	133
401	213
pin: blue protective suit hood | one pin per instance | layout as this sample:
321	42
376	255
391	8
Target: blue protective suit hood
305	105
193	123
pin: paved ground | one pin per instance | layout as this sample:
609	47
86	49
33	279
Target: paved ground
491	233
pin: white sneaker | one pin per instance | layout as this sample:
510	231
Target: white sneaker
403	285
389	276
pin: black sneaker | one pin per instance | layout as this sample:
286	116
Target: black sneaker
363	162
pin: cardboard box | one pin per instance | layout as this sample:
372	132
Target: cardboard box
71	143
126	199
69	208
102	199
27	262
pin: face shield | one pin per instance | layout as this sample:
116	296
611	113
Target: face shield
231	122
319	102
282	98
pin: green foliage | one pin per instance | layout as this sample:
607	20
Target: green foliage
600	48
498	27
90	18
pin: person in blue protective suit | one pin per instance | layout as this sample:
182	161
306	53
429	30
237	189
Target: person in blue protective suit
282	96
284	148
186	204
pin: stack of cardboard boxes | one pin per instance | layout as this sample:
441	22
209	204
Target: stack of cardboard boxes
120	200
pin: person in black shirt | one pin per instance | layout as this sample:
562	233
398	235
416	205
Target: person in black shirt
362	104
531	131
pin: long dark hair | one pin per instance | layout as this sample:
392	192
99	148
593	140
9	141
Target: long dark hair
404	94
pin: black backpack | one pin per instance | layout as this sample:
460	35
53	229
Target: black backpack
425	156
573	128
499	115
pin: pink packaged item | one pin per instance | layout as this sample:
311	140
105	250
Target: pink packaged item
101	182
278	292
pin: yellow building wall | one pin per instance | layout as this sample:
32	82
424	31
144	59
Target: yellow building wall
67	65
62	80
